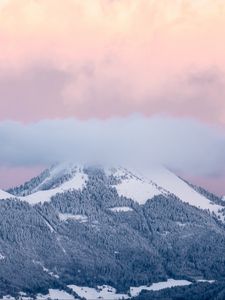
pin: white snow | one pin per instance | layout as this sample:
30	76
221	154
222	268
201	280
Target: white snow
121	209
56	171
135	291
204	280
105	292
79	218
181	224
2	257
102	292
134	186
76	183
181	189
49	225
5	195
143	185
55	294
109	293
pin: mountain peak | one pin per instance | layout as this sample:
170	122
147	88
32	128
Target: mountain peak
137	185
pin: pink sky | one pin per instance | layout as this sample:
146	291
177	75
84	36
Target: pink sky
105	58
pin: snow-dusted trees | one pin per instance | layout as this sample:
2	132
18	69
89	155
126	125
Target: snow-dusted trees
164	237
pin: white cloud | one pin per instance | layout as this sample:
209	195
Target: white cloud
181	144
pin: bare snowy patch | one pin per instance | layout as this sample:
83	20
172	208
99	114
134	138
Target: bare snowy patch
135	291
204	280
104	292
2	257
80	218
121	209
55	294
180	224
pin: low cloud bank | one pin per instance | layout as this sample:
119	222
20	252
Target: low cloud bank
181	144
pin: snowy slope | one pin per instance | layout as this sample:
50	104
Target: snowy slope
134	184
174	185
109	293
55	294
5	195
143	185
135	291
102	292
76	183
105	292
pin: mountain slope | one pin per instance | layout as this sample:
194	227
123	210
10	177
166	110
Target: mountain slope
90	234
136	185
58	180
143	186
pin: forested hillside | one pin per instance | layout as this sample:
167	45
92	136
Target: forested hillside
93	236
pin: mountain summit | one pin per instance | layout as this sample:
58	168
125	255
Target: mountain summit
139	186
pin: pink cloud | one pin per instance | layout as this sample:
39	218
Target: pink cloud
101	58
119	57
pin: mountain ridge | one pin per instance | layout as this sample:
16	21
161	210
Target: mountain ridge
137	185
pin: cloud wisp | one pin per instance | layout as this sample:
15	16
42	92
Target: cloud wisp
181	144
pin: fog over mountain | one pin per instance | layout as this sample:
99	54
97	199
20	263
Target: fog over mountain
180	144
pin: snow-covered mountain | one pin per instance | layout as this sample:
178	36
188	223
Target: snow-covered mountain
139	186
77	228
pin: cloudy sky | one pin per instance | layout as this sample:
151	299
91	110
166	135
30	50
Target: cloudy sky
89	68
